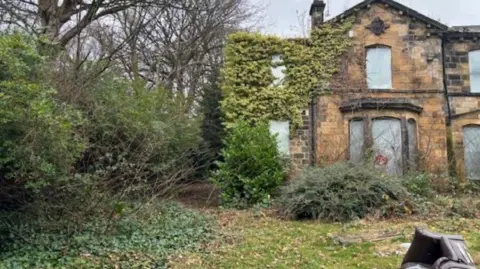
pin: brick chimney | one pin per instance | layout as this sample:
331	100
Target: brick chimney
317	12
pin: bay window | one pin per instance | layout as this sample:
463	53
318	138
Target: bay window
392	141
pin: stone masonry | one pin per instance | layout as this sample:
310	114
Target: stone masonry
300	145
464	105
430	87
416	77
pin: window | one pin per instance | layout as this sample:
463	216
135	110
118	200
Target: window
471	142
282	130
278	70
357	140
412	144
379	68
474	62
387	145
393	143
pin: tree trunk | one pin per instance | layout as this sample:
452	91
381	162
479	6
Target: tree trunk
49	16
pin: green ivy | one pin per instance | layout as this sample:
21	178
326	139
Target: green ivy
143	240
247	79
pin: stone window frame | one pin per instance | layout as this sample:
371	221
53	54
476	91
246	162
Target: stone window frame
374	46
407	156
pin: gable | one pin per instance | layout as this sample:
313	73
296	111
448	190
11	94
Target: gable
395	5
414	61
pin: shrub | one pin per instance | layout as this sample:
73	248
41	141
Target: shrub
343	192
38	146
465	207
139	139
419	184
252	168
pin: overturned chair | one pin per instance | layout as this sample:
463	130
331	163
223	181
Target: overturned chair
437	251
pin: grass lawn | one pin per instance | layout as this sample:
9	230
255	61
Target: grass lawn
260	241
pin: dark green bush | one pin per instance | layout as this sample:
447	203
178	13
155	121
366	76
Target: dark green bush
142	240
138	136
38	145
252	168
80	160
343	192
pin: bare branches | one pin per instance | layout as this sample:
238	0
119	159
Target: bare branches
174	44
179	46
61	20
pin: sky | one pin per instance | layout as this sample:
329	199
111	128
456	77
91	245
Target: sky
282	16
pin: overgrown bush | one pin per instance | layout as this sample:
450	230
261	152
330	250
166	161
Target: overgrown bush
142	240
252	168
343	192
139	147
38	145
83	154
419	184
93	153
441	196
465	207
138	138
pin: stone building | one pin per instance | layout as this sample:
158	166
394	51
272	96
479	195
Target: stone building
406	85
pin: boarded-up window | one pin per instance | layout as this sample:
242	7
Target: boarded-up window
357	140
387	147
474	62
412	144
282	130
278	70
379	69
471	141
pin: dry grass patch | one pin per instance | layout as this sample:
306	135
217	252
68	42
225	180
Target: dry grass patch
259	240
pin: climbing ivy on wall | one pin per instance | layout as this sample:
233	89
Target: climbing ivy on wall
247	81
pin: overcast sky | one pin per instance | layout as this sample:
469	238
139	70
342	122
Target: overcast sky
282	15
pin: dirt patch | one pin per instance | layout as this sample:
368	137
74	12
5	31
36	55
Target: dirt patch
199	195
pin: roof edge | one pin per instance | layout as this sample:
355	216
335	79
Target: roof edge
396	5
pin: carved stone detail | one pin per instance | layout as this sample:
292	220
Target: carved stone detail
378	26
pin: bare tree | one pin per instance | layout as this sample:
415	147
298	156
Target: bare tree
174	44
178	47
62	20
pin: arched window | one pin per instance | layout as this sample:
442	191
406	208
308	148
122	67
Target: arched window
387	144
474	62
357	140
379	67
471	143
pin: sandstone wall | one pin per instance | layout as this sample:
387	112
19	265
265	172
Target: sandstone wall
417	78
464	105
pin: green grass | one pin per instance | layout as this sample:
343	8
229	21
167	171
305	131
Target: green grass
266	242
